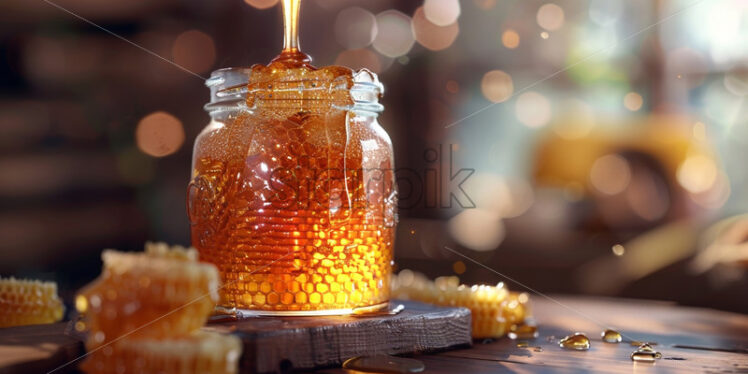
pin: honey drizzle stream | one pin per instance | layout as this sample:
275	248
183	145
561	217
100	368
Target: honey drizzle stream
291	54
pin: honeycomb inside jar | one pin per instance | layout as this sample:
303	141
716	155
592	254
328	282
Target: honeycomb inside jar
293	197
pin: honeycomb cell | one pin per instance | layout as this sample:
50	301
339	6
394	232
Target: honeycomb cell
200	352
315	298
28	302
179	293
495	309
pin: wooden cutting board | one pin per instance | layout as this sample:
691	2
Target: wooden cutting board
270	343
281	343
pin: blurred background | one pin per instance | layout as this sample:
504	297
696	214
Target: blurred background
590	147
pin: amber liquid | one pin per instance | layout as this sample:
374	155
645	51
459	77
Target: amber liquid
296	212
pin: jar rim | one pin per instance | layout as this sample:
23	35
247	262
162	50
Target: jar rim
230	86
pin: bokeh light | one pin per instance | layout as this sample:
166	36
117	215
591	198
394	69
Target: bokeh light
697	173
459	267
394	36
432	36
159	134
510	39
618	250
610	174
633	101
497	86
359	58
485	4
262	4
355	28
533	109
550	17
477	229
194	50
441	12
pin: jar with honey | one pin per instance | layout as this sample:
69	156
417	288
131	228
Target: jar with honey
292	194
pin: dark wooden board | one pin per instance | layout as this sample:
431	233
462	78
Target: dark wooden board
37	349
274	343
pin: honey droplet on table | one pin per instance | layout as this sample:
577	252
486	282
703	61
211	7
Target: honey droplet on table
384	363
611	336
577	342
637	343
645	353
523	331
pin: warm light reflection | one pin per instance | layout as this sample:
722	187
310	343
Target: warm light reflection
394	36
618	250
441	12
550	17
497	86
359	58
262	4
633	101
355	28
477	229
459	267
610	174
432	36
194	50
533	109
510	39
159	134
697	174
485	4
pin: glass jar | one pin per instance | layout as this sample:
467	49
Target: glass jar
293	192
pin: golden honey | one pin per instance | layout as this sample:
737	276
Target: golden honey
28	302
495	310
292	193
164	292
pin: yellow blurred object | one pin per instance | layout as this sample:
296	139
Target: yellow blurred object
495	309
202	352
28	302
676	143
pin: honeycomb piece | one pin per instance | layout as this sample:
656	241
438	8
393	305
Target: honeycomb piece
201	352
164	292
28	302
494	309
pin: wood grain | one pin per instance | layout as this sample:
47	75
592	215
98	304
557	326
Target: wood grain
275	343
721	335
37	349
669	325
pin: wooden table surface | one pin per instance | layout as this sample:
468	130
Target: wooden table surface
721	336
690	340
